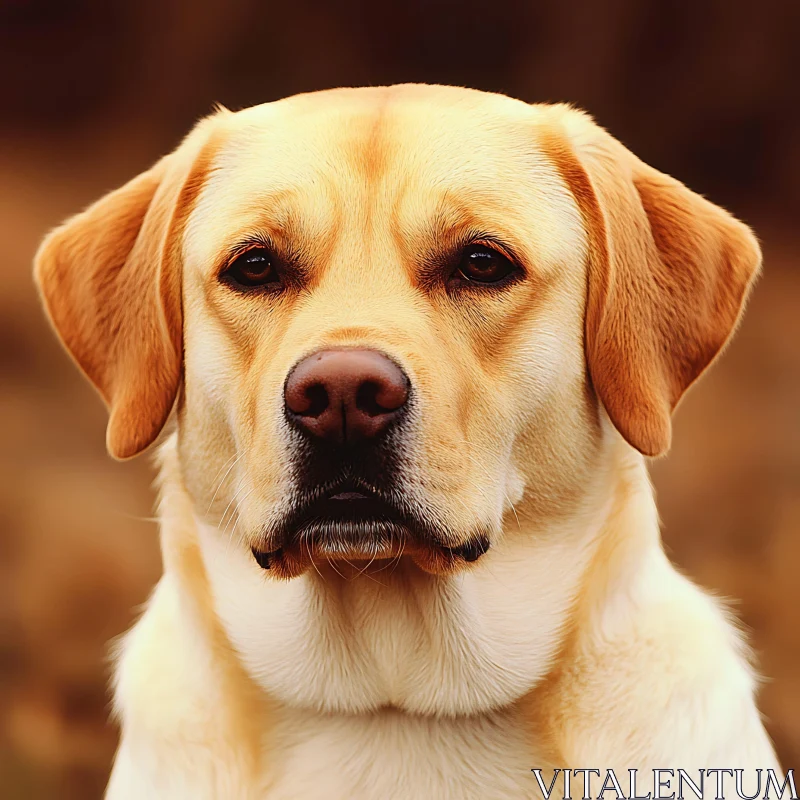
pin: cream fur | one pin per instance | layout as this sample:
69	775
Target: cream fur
573	642
658	675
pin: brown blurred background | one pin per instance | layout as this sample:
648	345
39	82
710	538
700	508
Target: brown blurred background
93	91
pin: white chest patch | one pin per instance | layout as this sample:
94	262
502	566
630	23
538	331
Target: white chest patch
461	645
394	755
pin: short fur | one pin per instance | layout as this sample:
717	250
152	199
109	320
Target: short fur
573	642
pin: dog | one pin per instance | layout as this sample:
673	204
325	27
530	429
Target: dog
405	351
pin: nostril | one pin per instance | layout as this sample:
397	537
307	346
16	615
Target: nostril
318	400
367	399
376	397
310	400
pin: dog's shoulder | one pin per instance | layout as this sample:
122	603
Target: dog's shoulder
659	668
191	720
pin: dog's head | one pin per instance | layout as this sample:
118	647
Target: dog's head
380	317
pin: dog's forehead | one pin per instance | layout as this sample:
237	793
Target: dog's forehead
401	154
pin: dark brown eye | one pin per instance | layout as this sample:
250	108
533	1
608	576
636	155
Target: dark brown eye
252	270
481	264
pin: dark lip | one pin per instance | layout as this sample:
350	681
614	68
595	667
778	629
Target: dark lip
347	503
348	496
351	519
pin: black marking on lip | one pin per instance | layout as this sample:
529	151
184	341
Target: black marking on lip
264	560
469	552
356	516
472	550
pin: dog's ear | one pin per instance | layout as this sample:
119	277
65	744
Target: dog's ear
110	279
669	273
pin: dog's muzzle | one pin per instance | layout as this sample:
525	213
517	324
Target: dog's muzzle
354	523
347	410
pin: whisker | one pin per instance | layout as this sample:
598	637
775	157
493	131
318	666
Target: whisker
138	518
238	516
304	540
230	502
505	494
370	562
399	556
236	458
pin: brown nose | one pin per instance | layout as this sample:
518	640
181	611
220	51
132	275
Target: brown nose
345	395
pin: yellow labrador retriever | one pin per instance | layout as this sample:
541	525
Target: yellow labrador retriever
407	349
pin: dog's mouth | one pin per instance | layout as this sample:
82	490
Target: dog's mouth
352	524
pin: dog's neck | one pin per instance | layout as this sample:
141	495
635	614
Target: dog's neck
466	644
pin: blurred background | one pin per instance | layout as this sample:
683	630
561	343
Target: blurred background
94	91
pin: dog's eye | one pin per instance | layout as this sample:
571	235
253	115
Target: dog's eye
481	264
251	270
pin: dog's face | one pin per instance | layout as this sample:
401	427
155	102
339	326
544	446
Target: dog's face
390	315
380	307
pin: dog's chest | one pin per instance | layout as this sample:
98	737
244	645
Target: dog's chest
391	754
465	646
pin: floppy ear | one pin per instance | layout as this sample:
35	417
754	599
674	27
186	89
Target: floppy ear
110	281
668	276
